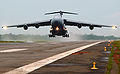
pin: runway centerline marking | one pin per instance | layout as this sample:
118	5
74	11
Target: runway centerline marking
12	50
36	65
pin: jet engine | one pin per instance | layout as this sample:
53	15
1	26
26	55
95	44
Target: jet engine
25	27
37	26
91	27
79	25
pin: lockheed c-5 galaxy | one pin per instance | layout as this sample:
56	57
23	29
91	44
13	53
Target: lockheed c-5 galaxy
58	25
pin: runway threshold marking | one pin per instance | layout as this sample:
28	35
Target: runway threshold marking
36	65
12	50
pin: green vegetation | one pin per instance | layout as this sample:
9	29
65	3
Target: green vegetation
119	68
95	37
118	53
109	67
115	46
119	60
11	41
22	37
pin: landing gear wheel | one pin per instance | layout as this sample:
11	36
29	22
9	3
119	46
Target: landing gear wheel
50	35
53	35
66	35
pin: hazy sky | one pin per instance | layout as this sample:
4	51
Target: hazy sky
90	11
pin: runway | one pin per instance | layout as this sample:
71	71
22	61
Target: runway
17	55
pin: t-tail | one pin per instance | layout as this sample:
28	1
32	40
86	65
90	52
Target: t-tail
61	13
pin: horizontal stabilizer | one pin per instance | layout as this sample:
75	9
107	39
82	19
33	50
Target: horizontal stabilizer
61	13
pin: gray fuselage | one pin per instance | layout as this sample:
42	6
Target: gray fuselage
58	27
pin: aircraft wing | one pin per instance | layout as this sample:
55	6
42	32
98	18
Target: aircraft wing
80	24
36	24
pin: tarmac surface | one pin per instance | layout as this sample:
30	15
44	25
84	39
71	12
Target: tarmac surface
20	54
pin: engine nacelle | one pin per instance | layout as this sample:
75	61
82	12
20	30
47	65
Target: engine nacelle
37	26
91	27
79	25
25	27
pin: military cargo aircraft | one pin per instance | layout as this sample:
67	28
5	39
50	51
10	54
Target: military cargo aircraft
58	24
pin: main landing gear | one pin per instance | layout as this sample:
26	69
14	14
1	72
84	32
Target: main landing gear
50	35
66	35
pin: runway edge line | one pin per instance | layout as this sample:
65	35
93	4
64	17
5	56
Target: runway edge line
12	50
36	65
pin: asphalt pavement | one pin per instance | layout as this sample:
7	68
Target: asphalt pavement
18	55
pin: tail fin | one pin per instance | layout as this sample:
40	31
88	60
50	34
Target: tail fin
61	13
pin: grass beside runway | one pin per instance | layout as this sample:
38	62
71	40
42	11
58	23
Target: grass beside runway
11	41
110	62
114	56
39	41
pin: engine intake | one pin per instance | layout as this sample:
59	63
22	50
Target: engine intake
79	25
25	27
37	26
91	27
